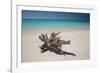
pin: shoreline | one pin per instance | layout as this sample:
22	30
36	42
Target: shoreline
54	30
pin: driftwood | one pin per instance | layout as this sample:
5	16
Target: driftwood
54	44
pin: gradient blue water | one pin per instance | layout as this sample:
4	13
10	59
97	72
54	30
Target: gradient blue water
35	24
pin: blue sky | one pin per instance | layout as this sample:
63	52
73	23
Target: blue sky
30	14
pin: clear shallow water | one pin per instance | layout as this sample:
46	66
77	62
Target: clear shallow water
43	24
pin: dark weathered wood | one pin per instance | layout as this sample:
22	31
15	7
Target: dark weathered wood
54	44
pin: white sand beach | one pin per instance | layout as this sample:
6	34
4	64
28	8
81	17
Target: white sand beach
80	45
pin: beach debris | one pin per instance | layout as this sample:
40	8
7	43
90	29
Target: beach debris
53	43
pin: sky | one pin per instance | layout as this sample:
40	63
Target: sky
30	14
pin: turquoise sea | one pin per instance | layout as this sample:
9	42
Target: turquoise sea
42	24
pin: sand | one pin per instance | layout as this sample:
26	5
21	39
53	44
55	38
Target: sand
80	45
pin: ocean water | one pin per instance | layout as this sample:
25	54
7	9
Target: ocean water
43	24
